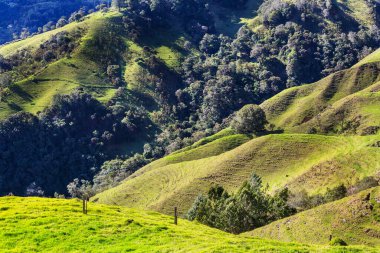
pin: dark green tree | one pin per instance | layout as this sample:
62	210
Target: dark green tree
250	119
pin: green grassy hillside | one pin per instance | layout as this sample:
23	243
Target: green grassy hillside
374	57
312	162
85	67
355	219
35	92
347	101
56	225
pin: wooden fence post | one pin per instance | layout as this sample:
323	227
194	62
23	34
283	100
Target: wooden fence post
175	216
84	205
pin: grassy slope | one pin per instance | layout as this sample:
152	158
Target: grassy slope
355	90
55	225
355	219
36	92
374	57
299	161
82	69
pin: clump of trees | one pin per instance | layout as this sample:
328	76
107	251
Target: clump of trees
249	208
250	119
299	46
252	206
114	171
303	201
68	140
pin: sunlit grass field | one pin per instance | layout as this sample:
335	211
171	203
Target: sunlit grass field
56	225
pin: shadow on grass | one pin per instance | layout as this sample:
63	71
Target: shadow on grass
19	91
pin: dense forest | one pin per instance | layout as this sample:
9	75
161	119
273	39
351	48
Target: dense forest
293	43
22	18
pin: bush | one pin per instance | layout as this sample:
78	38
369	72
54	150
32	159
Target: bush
336	193
302	200
337	242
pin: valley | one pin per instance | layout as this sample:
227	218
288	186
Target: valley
258	121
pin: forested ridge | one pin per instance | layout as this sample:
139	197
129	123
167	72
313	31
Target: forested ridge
284	44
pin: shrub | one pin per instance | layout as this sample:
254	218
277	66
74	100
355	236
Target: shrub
336	193
338	242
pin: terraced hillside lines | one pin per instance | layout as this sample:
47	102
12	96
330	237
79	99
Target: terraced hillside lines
279	159
319	105
362	108
56	225
357	160
213	148
355	219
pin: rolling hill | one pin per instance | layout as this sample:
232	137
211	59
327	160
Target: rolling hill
55	225
33	93
296	159
100	41
354	219
346	101
168	90
310	162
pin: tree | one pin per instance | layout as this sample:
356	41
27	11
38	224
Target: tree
34	190
81	189
5	82
115	4
250	119
61	22
251	207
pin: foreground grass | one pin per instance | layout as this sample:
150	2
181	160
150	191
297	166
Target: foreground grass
55	225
